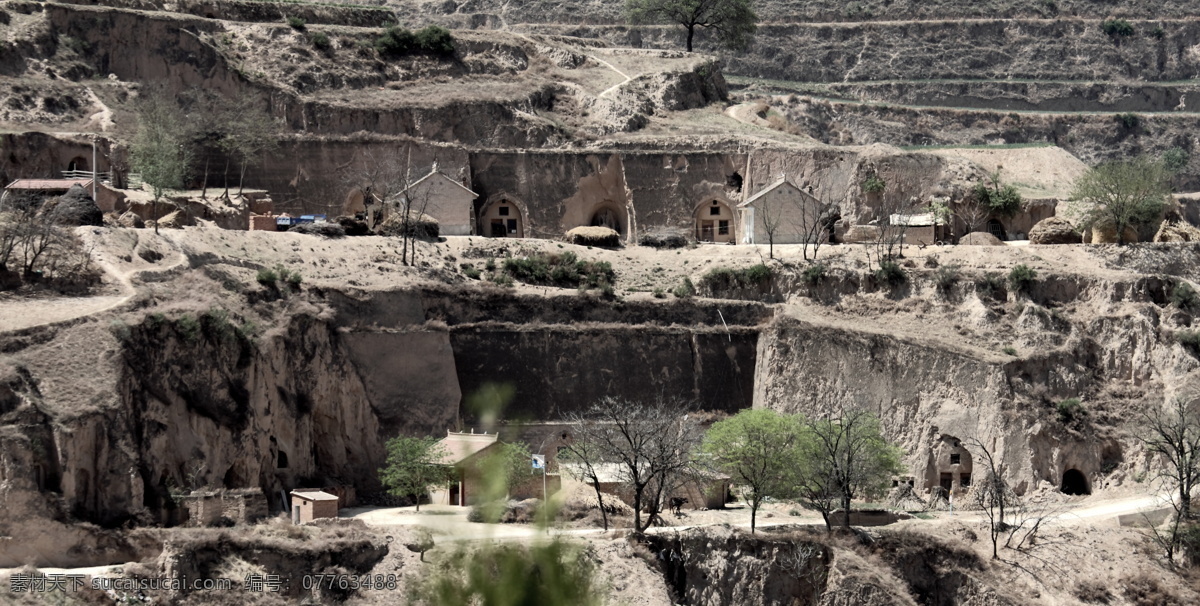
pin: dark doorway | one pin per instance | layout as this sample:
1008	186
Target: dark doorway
947	481
607	217
1074	482
996	228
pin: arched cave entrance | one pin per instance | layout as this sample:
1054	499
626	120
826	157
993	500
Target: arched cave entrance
714	222
502	219
281	461
1075	483
609	215
996	228
77	163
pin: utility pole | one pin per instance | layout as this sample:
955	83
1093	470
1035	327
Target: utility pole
94	168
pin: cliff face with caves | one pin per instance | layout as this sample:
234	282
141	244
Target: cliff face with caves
205	377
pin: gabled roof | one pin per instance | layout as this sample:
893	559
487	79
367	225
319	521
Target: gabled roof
48	184
781	181
460	446
921	220
314	495
438	173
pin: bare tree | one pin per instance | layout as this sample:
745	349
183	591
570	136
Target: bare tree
649	445
892	220
1173	435
16	211
812	223
582	461
845	456
771	213
993	495
414	223
250	133
386	182
377	176
240	127
974	213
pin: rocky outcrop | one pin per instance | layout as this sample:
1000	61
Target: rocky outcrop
333	548
724	566
1107	234
720	565
1054	230
925	389
1178	231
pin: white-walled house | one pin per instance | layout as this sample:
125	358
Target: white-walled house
782	204
444	199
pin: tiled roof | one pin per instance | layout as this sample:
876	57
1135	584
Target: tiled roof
44	184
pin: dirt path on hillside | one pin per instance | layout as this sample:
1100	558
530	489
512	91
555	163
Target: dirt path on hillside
19	313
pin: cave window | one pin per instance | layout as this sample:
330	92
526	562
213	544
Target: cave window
503	211
722	228
734	181
1075	483
964	480
955	458
282	461
715	210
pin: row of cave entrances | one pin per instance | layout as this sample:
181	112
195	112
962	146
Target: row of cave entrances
713	220
1073	482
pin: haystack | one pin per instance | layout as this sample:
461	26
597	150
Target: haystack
594	236
980	238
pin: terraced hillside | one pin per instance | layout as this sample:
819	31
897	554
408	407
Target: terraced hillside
877	71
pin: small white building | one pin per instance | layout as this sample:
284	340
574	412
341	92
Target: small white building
444	199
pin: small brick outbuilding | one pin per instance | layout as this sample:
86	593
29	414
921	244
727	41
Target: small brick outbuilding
308	505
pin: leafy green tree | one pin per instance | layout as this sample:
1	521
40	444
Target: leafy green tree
413	466
161	151
733	21
999	199
435	40
1175	160
759	448
844	457
1123	194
